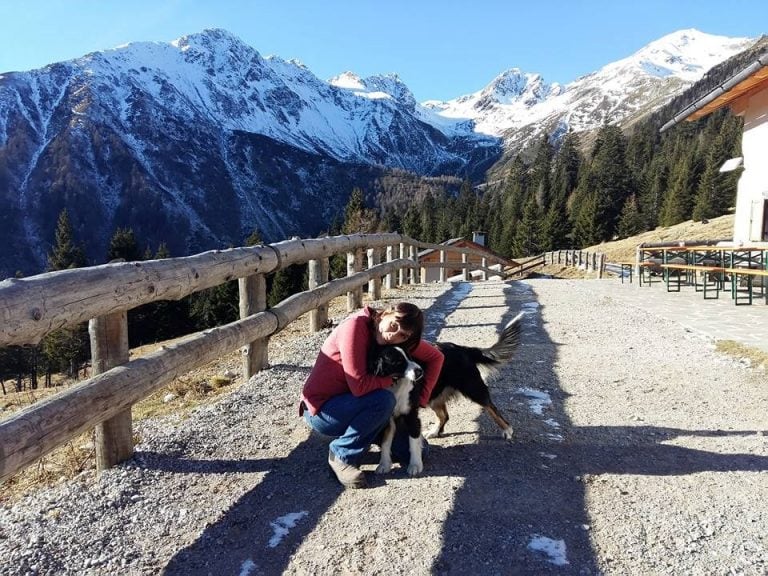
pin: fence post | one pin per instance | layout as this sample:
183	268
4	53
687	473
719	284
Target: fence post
465	270
318	275
374	285
109	348
253	299
389	279
484	273
401	272
442	266
354	265
414	272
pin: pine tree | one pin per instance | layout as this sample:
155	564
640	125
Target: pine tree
65	254
630	222
123	245
357	218
527	240
66	349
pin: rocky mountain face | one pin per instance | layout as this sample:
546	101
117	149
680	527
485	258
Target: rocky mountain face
199	142
520	107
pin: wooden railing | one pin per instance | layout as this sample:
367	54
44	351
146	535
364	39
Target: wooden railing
32	307
589	261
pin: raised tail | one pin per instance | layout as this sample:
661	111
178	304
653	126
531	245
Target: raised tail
508	341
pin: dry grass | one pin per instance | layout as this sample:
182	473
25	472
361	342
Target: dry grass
757	358
199	387
720	228
208	382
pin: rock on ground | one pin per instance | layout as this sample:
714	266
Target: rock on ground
638	450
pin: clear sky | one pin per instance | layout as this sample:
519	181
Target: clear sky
440	49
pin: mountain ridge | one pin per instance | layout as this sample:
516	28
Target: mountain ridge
199	141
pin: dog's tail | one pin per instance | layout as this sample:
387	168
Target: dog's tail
490	360
508	341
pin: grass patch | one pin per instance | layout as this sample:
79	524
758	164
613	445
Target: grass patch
757	358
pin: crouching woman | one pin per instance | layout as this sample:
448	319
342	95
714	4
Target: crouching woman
341	399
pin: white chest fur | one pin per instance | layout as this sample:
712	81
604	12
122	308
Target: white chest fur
402	390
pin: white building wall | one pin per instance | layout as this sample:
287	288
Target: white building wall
753	184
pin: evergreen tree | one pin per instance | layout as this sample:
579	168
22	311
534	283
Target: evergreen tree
287	282
357	218
678	203
631	222
123	245
716	191
514	195
65	254
65	349
254	239
527	240
541	172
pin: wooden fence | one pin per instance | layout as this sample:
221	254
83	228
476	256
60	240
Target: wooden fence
589	261
32	307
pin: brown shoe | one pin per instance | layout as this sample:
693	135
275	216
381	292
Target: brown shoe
349	476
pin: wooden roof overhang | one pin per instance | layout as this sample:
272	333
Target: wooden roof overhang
750	80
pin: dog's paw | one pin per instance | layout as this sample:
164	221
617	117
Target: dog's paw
383	467
508	433
433	433
415	468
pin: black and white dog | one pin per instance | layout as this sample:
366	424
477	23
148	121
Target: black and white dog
392	360
465	371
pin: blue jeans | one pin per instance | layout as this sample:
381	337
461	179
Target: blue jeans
355	422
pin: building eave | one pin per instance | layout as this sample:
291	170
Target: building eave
736	86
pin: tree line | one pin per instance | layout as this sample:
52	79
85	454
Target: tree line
575	195
572	195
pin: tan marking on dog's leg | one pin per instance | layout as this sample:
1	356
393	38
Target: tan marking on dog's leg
416	465
438	407
385	462
494	413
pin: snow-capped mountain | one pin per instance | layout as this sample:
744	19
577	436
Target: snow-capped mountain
519	106
199	141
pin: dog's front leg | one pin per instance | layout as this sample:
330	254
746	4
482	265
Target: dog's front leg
385	462
415	466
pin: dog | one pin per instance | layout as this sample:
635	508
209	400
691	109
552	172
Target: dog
407	387
465	371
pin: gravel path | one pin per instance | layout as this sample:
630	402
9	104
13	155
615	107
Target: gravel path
639	450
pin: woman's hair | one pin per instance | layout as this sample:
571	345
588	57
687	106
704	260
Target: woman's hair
410	317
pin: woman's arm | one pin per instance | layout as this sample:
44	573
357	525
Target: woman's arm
431	360
354	340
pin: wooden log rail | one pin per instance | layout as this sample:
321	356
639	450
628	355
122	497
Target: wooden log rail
32	307
590	261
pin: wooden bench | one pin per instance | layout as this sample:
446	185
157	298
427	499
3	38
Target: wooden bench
626	266
688	268
650	267
751	274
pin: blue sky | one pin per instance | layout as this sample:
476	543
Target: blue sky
440	49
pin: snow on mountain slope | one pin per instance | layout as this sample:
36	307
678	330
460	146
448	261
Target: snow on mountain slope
199	141
516	105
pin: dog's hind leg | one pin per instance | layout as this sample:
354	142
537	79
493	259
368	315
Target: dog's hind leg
493	412
479	394
385	462
440	410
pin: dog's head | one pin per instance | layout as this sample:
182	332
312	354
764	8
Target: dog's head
393	361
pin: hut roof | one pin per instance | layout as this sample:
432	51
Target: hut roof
739	75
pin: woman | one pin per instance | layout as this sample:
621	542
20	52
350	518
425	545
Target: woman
343	400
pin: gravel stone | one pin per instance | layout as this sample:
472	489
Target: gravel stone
638	450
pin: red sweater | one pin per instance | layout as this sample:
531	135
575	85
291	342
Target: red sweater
341	366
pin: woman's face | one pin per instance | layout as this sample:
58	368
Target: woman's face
388	331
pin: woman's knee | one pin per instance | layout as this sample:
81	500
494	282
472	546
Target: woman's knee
382	401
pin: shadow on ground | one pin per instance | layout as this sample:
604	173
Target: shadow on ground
513	495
